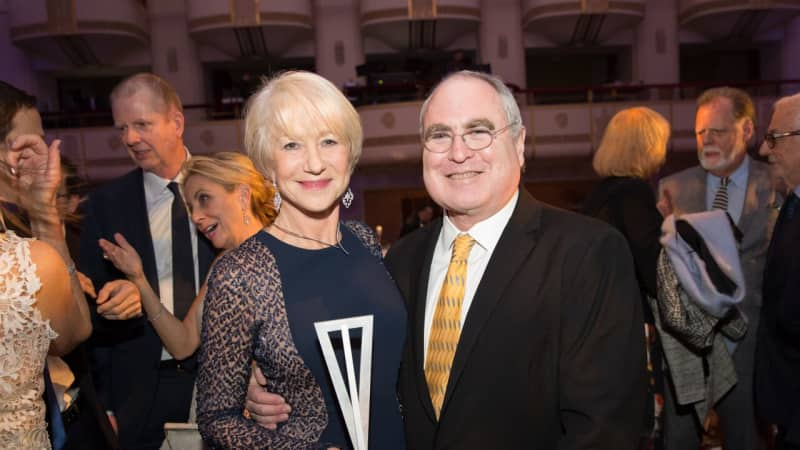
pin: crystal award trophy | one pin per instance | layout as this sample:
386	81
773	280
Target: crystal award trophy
354	396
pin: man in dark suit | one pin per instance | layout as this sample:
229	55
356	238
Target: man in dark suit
140	384
532	336
724	126
777	374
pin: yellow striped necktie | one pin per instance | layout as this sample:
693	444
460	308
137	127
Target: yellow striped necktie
446	326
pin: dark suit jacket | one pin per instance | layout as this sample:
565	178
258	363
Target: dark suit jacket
551	354
777	375
125	353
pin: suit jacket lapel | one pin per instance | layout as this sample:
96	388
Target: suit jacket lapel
515	244
756	200
421	285
142	240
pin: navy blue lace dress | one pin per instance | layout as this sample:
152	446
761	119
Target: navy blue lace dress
263	299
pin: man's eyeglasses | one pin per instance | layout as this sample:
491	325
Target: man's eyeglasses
772	136
475	139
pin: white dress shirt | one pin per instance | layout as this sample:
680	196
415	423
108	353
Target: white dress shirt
737	189
159	213
486	234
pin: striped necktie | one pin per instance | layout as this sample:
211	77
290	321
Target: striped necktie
446	326
721	197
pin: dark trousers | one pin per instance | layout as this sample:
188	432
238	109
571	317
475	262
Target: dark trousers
173	398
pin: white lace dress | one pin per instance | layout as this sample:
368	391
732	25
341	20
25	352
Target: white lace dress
24	340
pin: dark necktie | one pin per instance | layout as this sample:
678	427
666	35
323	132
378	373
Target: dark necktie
721	197
182	261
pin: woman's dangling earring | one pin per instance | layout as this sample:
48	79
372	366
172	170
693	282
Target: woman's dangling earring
276	199
347	198
245	219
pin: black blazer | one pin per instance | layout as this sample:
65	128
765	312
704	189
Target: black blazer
777	373
552	351
629	205
125	353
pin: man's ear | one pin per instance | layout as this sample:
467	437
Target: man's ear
177	118
748	130
519	146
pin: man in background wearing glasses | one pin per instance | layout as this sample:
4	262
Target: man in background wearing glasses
524	320
778	355
727	178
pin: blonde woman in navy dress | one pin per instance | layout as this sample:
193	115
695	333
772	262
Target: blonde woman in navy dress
307	266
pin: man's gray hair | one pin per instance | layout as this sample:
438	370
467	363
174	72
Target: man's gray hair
506	97
791	101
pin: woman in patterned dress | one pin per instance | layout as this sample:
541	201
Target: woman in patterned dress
307	266
229	201
42	306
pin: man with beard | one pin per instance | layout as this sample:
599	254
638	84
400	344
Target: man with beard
727	178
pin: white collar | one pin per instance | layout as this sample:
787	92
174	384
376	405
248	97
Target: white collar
486	232
739	176
154	185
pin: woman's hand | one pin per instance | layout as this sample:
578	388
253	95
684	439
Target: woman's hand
124	256
37	169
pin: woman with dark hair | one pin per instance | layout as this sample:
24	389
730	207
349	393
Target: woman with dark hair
42	306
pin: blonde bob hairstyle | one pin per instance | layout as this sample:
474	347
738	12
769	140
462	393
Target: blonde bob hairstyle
229	170
298	105
634	144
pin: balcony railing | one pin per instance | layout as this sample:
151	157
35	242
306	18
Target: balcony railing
226	109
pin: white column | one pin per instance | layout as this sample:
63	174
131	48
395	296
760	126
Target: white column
338	42
501	43
790	49
16	68
174	52
656	57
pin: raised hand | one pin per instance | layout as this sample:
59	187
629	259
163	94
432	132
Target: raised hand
123	256
36	169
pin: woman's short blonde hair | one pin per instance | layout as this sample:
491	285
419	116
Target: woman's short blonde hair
634	144
229	170
298	105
